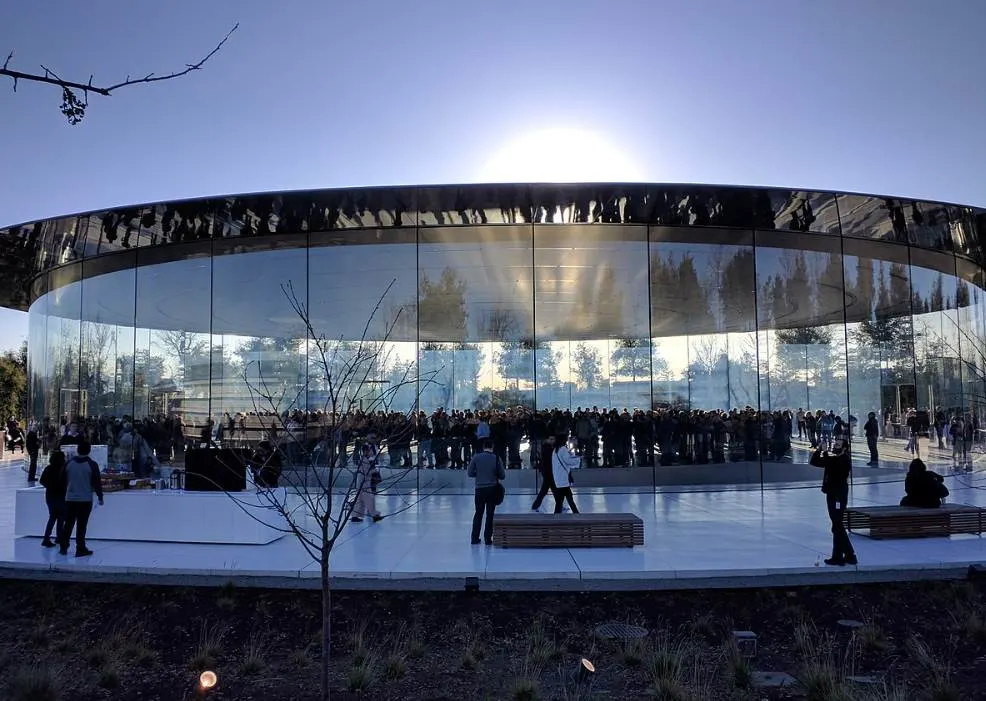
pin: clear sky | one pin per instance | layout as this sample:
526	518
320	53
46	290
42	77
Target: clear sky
884	96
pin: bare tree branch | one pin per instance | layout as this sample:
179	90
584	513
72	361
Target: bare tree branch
74	107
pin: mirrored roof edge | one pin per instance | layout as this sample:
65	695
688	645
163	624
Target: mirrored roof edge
506	185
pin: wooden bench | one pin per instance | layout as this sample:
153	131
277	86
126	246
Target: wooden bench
910	522
567	530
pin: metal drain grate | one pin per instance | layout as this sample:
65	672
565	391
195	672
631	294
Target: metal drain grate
620	631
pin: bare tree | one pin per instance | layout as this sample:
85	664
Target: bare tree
322	489
75	95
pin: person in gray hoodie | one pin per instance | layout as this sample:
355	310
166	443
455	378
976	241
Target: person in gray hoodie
488	470
82	478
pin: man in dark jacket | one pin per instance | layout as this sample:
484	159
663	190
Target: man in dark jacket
53	479
923	488
487	469
835	485
82	479
33	445
872	430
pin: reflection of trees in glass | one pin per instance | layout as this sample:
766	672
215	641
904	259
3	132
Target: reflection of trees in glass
677	291
97	340
587	366
525	360
454	369
632	358
280	362
189	350
442	314
886	337
501	325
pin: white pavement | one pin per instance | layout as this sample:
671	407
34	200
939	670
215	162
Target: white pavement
732	537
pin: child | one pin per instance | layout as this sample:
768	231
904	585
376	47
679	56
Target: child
53	479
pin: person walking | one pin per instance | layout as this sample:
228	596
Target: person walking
54	480
547	478
366	467
487	469
837	466
33	445
82	479
563	461
872	430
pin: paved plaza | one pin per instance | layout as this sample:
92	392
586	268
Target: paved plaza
737	536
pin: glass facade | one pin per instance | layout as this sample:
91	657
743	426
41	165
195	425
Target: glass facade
718	313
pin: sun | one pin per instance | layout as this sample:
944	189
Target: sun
560	155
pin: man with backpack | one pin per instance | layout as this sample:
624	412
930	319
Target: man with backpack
82	479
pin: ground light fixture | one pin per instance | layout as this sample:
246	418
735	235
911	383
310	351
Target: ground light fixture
584	672
207	680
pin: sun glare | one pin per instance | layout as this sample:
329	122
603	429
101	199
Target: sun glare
560	155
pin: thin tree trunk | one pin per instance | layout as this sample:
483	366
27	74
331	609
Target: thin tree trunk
326	624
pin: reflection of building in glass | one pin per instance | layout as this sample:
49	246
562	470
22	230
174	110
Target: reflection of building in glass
632	296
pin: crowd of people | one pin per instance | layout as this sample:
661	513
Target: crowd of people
606	437
487	443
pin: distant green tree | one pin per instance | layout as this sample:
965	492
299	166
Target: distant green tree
13	382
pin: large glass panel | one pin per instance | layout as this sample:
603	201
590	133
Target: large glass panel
704	359
972	329
259	341
880	337
590	300
108	355
363	299
64	402
936	346
172	360
802	339
36	360
476	353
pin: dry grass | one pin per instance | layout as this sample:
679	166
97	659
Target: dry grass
209	646
363	674
542	645
255	654
871	639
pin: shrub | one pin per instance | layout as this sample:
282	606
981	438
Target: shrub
872	639
38	683
395	665
524	689
740	667
361	675
109	677
254	654
631	652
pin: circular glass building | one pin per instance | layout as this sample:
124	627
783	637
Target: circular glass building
722	314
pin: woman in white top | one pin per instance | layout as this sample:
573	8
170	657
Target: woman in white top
563	461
